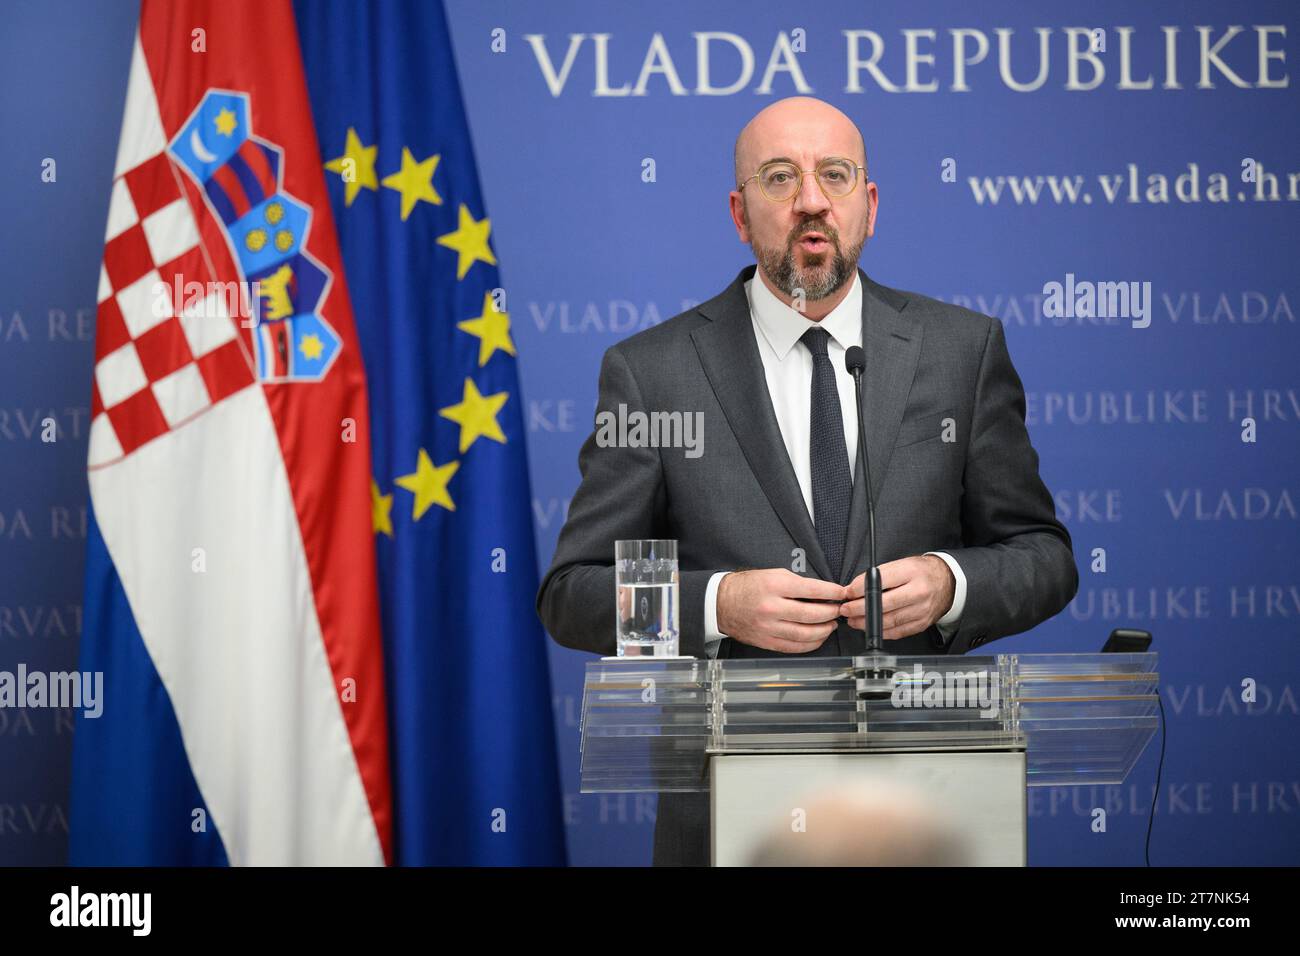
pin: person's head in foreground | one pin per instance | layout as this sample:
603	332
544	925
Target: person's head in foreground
865	824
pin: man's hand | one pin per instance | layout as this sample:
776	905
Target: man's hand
916	593
762	608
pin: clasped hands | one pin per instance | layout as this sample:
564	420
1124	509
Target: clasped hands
778	610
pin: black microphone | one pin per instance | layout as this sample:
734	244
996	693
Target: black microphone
856	363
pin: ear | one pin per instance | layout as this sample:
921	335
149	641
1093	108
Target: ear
736	202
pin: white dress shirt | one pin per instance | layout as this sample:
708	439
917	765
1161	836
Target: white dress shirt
788	367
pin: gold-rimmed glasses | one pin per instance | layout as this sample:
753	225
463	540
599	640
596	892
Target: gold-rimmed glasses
781	181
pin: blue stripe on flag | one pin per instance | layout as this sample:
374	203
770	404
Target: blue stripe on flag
133	749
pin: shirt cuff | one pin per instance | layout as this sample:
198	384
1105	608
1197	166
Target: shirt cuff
948	623
712	636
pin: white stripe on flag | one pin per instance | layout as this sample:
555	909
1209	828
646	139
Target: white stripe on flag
142	131
238	645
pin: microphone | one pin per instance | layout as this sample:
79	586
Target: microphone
855	362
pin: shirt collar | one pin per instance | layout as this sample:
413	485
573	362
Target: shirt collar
782	326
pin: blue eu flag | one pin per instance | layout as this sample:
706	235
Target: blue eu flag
475	778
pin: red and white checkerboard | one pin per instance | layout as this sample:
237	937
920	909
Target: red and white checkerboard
158	365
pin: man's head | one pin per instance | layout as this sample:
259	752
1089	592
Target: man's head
785	235
867	823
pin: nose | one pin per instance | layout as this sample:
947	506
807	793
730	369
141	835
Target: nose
810	201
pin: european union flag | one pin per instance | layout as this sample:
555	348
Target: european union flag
475	778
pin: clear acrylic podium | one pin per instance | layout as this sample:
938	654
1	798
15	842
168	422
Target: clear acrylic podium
969	733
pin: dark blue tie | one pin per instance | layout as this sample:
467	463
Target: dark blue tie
832	483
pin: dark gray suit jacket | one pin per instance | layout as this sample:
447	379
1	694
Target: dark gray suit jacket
738	505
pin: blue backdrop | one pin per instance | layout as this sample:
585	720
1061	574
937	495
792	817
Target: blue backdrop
1128	164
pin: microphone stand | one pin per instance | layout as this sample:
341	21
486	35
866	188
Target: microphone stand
855	362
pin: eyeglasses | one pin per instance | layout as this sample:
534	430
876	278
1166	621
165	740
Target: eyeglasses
781	181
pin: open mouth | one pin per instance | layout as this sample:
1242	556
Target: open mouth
813	242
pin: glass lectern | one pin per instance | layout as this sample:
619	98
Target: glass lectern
968	732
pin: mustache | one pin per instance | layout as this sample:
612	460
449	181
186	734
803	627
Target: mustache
831	234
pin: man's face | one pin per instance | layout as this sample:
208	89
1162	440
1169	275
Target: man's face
809	243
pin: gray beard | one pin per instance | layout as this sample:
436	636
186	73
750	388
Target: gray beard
817	283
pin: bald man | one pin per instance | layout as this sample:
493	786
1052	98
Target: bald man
771	517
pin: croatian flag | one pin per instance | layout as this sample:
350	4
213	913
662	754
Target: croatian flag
231	598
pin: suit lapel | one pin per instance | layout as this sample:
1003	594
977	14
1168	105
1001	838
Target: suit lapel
892	346
734	368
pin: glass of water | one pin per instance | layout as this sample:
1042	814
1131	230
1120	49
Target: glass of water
646	582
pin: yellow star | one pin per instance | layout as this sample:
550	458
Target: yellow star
360	160
414	181
470	240
226	122
311	346
381	511
492	329
429	484
477	415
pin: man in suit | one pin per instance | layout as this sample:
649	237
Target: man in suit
771	517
